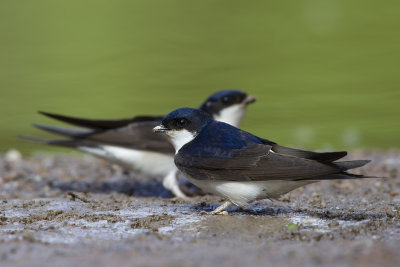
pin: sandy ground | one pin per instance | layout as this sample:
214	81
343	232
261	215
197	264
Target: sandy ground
65	211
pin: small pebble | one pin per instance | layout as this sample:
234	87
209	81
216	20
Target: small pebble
13	156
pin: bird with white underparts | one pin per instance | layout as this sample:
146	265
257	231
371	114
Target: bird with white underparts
131	142
224	160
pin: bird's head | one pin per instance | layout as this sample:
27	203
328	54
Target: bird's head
183	125
228	106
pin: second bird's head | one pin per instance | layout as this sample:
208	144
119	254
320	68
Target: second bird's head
228	106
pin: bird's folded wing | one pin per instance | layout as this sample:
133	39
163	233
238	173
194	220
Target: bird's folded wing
138	135
255	163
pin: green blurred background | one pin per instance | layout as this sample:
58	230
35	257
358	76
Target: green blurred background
326	73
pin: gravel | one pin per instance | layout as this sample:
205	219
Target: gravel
60	210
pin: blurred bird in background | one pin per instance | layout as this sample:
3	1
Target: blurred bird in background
132	144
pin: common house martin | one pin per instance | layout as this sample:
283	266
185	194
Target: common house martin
131	142
241	167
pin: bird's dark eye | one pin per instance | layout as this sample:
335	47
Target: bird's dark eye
225	100
180	123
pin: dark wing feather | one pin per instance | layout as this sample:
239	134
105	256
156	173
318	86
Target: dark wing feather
255	163
318	156
100	124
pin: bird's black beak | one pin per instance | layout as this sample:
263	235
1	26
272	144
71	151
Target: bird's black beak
250	99
160	129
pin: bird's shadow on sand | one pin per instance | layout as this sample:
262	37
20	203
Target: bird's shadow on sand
270	210
150	188
256	210
126	183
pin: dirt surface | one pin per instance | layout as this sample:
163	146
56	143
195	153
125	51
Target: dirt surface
66	211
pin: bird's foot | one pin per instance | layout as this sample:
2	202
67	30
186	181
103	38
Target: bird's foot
224	212
179	195
170	182
221	209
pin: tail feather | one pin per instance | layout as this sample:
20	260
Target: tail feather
55	142
67	132
87	147
339	176
343	166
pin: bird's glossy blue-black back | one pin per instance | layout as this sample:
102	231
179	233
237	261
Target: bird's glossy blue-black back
219	139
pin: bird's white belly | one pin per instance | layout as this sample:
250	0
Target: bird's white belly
243	193
146	162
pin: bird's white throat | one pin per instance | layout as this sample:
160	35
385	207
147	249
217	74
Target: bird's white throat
232	115
180	138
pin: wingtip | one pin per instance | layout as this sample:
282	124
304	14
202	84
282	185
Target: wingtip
367	161
38	125
351	164
22	136
364	161
47	114
42	127
31	138
336	155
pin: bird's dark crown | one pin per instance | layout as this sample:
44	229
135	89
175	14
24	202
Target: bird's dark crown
223	99
189	119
